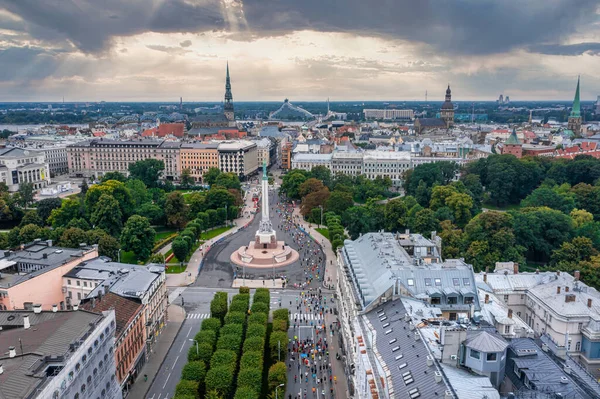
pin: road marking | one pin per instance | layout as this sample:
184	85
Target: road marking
181	346
166	382
188	334
176	359
197	316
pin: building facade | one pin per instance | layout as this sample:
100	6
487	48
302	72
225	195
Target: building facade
239	157
574	121
389	114
447	111
69	355
57	159
19	165
198	158
349	163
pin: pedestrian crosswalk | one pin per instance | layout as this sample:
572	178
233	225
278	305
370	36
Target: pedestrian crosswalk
198	315
304	316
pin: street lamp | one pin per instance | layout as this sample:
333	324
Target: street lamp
119	256
273	270
193	340
276	388
321	206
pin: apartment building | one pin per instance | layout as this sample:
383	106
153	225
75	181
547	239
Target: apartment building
239	157
21	165
34	275
390	164
348	163
56	354
198	158
556	306
145	284
130	354
388	114
57	159
93	158
306	161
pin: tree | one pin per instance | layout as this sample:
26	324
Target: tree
45	207
107	215
114	188
425	222
108	246
277	375
211	176
220	380
580	217
228	181
31	217
194	371
176	210
546	196
180	249
218	198
187	387
314	200
461	205
573	252
29	232
148	171
83	188
73	237
452	238
291	183
323	174
139	192
196	202
311	185
357	220
439	194
249	377
154	213
80	223
26	194
186	178
114	175
339	202
138	236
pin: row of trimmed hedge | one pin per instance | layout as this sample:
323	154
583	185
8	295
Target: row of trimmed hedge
250	376
184	242
277	345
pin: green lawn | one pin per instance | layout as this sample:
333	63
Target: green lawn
128	257
324	232
162	234
175	268
493	207
207	235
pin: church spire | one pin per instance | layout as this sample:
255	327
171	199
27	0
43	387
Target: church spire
228	106
576	110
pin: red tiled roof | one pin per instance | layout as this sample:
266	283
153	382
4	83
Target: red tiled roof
99	134
165	129
500	131
125	309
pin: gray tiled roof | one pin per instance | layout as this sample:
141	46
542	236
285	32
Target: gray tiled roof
543	373
413	353
486	342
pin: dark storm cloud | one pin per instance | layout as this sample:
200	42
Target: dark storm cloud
567	49
449	26
24	64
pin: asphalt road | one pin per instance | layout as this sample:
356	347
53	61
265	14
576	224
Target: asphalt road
218	271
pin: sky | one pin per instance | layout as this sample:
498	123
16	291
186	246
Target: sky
304	50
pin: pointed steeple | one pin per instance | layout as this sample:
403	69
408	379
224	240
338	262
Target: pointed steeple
576	110
513	139
228	96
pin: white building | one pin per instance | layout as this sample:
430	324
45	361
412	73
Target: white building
58	160
349	163
307	161
556	305
239	157
383	164
263	148
19	165
388	114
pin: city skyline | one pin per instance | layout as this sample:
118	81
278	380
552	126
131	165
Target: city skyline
160	51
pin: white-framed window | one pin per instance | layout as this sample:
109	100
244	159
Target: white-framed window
474	354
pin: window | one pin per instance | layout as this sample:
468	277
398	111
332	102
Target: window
78	283
466	281
438	281
474	354
435	300
578	346
85	283
506	329
411	282
456	282
491	357
428	282
452	300
468	300
69	282
79	296
505	298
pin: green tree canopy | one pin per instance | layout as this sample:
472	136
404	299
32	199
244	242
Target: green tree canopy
138	236
148	171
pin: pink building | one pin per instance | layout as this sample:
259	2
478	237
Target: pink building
33	275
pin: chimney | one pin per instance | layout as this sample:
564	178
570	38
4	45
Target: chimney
487	269
26	324
515	268
106	289
487	298
558	272
485	277
37	308
12	352
558	290
448	395
510	313
49	243
75	307
589	302
576	275
54	308
566	289
537	271
438	377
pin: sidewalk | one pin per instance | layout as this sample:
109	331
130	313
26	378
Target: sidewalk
191	272
176	317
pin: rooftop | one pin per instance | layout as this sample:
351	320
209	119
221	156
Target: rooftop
403	354
125	309
50	335
306	157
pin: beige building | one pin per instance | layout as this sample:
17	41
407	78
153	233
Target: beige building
20	165
239	157
198	158
97	157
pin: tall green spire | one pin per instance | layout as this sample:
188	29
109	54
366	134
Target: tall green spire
513	139
265	177
576	111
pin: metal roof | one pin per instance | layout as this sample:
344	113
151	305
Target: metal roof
486	342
